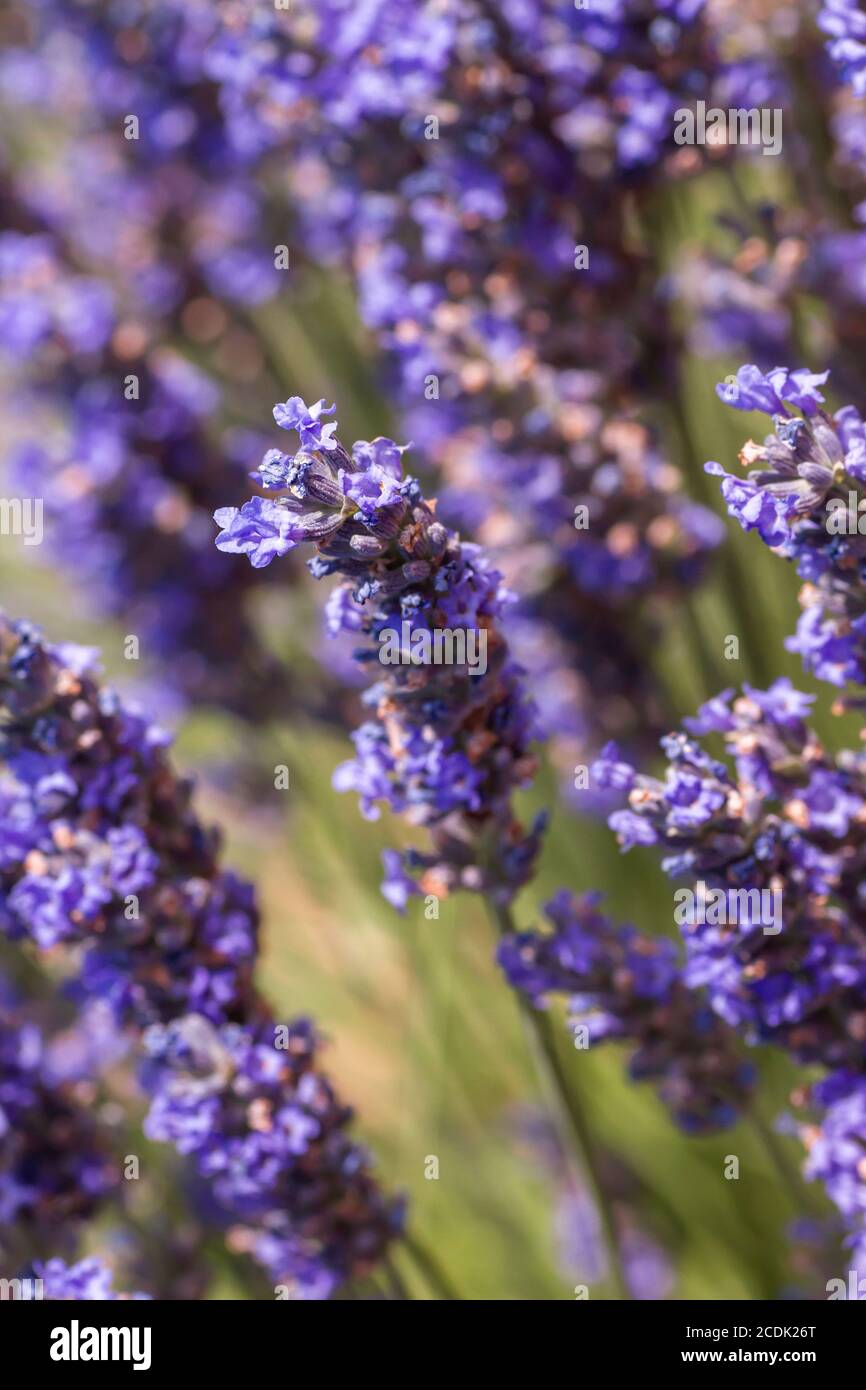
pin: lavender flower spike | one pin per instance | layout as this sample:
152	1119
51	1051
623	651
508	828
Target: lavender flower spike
102	851
778	830
101	848
806	497
449	740
629	987
779	823
265	1128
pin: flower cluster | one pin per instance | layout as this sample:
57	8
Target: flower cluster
268	1133
629	987
785	817
125	242
147	182
102	852
497	181
102	849
803	496
845	22
782	278
450	741
784	822
522	334
139	554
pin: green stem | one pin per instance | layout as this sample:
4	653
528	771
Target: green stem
395	1282
431	1269
711	677
740	597
571	1122
789	1173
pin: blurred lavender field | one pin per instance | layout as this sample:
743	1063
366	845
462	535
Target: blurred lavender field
475	230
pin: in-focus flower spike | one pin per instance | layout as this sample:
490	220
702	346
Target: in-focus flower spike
805	495
450	740
775	925
102	851
628	987
776	836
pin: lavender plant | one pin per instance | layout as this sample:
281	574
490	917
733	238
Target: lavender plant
104	852
488	176
449	743
141	562
468	245
786	283
782	817
449	747
803	496
577	1226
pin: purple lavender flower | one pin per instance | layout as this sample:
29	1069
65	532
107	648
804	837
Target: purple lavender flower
102	850
836	1146
774	391
89	1280
55	1167
266	1130
306	420
37	306
449	743
181	233
784	831
845	22
803	499
111	857
629	988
